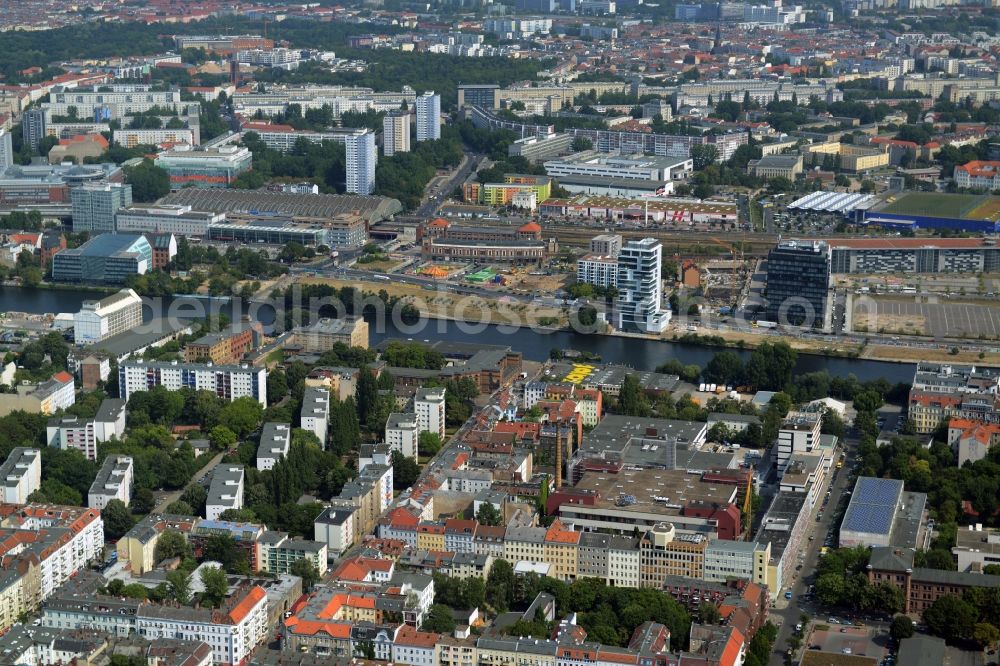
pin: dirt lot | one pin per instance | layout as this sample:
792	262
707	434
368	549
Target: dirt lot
543	284
445	305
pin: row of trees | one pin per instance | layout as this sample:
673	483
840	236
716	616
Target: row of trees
404	176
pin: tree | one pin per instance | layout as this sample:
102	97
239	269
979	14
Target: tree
867	186
703	155
306	570
901	627
171	544
439	620
222	438
241	416
500	586
429	443
703	191
405	471
195	496
951	618
149	182
179	586
178	508
581	143
489	515
726	367
244	515
632	399
223	549
216	586
117	519
708	613
143	501
986	635
277	387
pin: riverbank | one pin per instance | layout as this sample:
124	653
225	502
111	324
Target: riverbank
641	353
445	306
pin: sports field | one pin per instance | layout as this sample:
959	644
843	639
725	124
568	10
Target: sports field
941	205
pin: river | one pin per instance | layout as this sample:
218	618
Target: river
635	352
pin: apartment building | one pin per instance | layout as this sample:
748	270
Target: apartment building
664	552
167	219
799	433
21	474
130	138
44	546
335	528
976	547
276	553
368	495
727	560
137	548
229	382
428	116
396	133
226	347
246	537
972	439
598	270
232	631
99	320
429	406
113	482
613	558
943	391
362	156
108	102
638	305
275	441
321	335
226	490
315	414
402	433
72	432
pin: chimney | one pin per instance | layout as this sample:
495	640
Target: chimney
558	454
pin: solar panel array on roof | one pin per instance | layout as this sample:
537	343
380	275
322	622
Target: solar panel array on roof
873	505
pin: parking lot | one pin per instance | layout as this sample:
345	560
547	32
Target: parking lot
857	641
901	315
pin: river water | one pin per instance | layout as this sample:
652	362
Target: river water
535	345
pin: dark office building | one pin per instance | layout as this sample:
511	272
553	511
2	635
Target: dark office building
33	127
485	96
798	281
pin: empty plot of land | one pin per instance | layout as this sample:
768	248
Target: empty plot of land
969	320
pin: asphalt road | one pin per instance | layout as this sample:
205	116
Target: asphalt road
787	613
167	498
439	194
